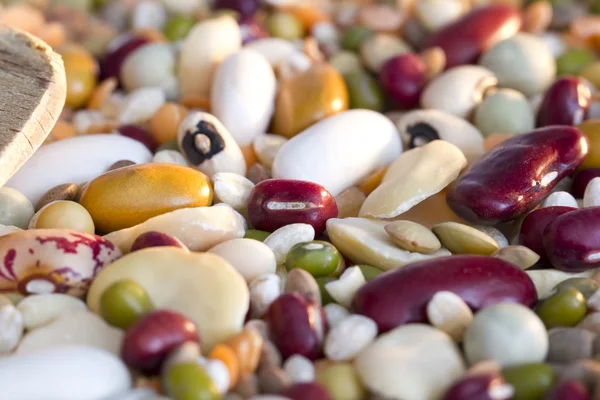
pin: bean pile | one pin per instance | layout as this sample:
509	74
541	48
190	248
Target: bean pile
308	200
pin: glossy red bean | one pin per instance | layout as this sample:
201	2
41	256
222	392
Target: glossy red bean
155	239
566	102
466	39
572	240
403	79
118	50
480	387
516	175
305	391
533	226
568	390
138	133
246	8
401	296
278	202
297	325
581	180
149	341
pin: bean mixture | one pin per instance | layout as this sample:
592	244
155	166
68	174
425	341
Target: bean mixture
308	200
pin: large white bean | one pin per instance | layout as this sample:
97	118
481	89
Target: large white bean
243	95
78	159
85	373
339	151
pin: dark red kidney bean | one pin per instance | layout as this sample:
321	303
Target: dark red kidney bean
138	133
568	390
581	180
155	239
117	51
533	226
297	325
403	79
278	202
246	8
466	39
306	391
516	175
572	240
149	341
480	387
566	102
401	296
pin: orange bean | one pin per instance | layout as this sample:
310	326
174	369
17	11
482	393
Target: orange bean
62	130
247	346
193	100
102	93
226	354
307	15
249	155
372	181
165	122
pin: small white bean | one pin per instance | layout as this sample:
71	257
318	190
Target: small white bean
11	327
346	286
449	313
149	14
264	290
353	334
232	189
169	156
286	237
335	314
218	372
591	196
141	104
300	369
84	119
560	199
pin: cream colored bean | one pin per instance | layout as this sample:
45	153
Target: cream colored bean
41	309
169	156
349	337
563	199
380	48
449	313
349	202
249	257
264	290
232	189
335	314
15	208
266	147
343	289
11	327
286	237
591	196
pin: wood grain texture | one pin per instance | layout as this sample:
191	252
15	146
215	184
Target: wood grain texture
32	95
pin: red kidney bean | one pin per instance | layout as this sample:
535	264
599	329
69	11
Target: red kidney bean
568	390
516	175
246	8
117	51
572	240
304	391
581	180
155	239
149	341
138	133
401	296
403	79
278	202
480	387
532	228
566	102
297	325
466	39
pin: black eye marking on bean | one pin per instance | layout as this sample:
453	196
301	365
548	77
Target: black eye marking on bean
196	155
421	134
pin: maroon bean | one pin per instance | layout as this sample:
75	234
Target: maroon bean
572	240
138	133
403	79
118	50
581	180
278	202
466	39
297	325
480	387
246	8
516	175
533	226
401	296
566	102
304	391
149	341
155	239
568	390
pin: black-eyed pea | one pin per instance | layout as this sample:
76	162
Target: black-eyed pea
63	214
